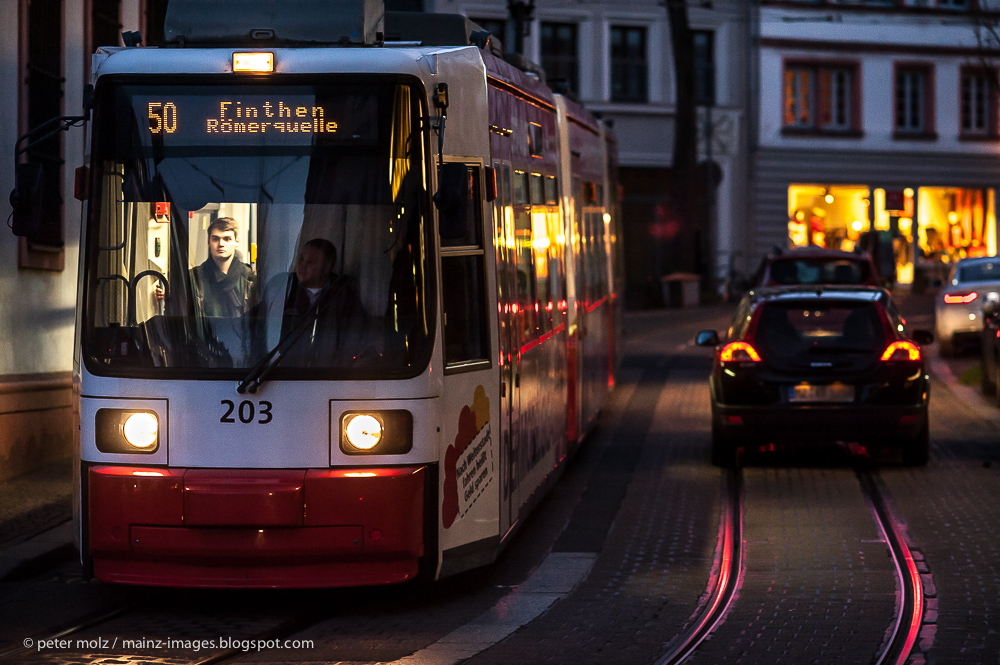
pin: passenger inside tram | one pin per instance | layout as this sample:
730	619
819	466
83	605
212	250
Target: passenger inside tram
223	285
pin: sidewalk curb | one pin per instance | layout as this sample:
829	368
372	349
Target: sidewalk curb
36	554
972	397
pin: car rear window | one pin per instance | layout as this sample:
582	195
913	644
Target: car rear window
819	271
987	271
789	329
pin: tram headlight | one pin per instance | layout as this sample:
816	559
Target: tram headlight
141	430
127	431
387	432
364	431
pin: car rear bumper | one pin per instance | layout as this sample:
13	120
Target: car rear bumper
872	424
956	320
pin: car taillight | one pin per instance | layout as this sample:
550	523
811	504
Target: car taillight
960	298
739	352
901	351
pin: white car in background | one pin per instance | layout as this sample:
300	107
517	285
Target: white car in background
959	307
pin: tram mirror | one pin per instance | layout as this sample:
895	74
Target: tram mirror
81	183
452	200
491	183
26	199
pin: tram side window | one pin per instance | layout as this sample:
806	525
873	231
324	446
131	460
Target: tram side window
551	190
600	255
544	273
537	189
520	187
595	256
527	290
549	266
463	289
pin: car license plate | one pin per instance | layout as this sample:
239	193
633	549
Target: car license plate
832	392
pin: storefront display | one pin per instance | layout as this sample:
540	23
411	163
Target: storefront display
914	234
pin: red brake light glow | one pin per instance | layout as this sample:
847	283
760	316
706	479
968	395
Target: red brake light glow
901	351
960	298
738	352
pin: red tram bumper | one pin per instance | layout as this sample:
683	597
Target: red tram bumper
250	528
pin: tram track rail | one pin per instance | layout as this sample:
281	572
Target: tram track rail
902	636
725	580
910	610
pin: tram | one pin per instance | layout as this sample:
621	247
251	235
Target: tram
245	423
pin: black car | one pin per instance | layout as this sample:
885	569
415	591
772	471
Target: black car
819	364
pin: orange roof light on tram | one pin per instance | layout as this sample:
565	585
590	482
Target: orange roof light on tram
260	62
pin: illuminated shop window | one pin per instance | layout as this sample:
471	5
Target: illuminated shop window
954	223
830	216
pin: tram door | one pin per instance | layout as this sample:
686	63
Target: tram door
507	331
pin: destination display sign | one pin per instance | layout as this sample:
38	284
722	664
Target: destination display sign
255	119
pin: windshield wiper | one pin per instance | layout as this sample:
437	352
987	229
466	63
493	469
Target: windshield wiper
259	372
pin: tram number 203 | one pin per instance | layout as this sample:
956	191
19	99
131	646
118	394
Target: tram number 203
246	411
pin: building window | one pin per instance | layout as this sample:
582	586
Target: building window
42	90
704	67
156	11
953	4
820	97
560	58
913	101
629	66
105	23
977	103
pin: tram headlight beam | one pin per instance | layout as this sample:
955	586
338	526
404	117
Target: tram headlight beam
388	432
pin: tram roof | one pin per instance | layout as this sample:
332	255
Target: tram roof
416	60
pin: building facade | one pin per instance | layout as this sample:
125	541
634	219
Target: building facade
617	59
877	127
46	46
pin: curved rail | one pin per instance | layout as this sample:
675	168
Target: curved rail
81	624
906	628
724	584
911	608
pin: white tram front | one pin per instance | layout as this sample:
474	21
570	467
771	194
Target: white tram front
245	424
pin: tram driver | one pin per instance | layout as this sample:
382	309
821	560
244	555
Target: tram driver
321	308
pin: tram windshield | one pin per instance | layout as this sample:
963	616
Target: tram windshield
240	225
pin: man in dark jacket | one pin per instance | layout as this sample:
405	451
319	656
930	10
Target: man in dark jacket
321	309
223	285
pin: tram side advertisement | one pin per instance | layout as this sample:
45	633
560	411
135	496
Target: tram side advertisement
468	462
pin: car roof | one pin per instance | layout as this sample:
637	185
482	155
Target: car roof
978	259
818	253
